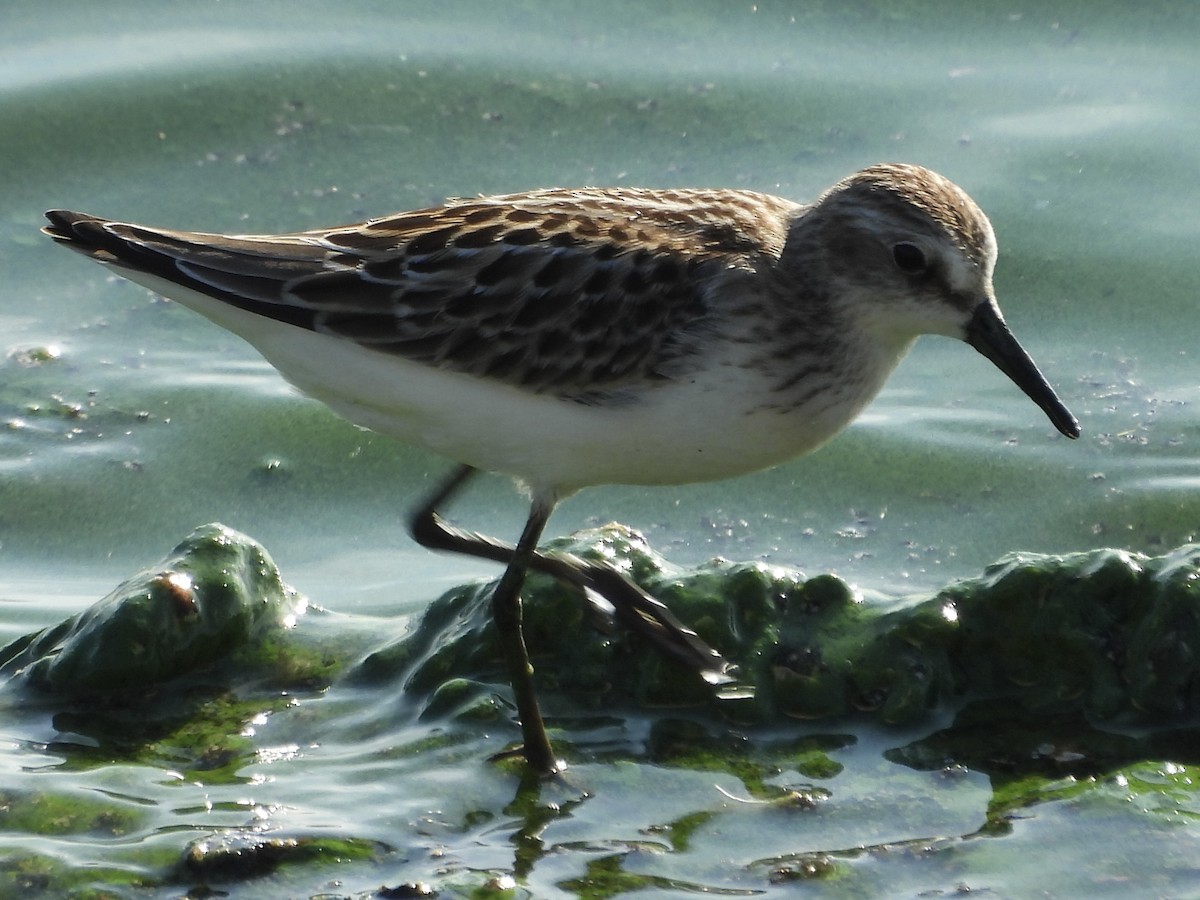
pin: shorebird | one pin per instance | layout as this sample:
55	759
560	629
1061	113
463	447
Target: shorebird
575	337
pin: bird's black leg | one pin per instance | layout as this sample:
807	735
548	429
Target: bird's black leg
430	530
506	612
635	608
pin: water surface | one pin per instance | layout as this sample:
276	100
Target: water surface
129	421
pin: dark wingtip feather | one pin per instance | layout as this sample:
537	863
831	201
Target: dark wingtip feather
62	221
77	230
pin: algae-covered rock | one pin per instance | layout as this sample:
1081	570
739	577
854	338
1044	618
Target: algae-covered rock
1107	634
217	592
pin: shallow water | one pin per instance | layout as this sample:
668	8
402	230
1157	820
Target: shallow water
129	421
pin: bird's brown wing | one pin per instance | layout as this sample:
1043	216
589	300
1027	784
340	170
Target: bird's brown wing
569	291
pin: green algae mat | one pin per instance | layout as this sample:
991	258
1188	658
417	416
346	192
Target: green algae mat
1058	677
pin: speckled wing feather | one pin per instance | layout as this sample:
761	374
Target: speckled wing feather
565	290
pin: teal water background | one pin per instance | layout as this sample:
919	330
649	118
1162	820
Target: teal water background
125	421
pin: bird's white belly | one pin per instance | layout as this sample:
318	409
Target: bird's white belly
710	427
673	433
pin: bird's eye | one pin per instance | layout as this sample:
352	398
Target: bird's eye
909	258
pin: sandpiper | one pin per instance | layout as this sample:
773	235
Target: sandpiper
573	337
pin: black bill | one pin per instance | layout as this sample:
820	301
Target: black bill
988	334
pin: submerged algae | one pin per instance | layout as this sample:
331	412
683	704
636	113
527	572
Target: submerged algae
237	856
